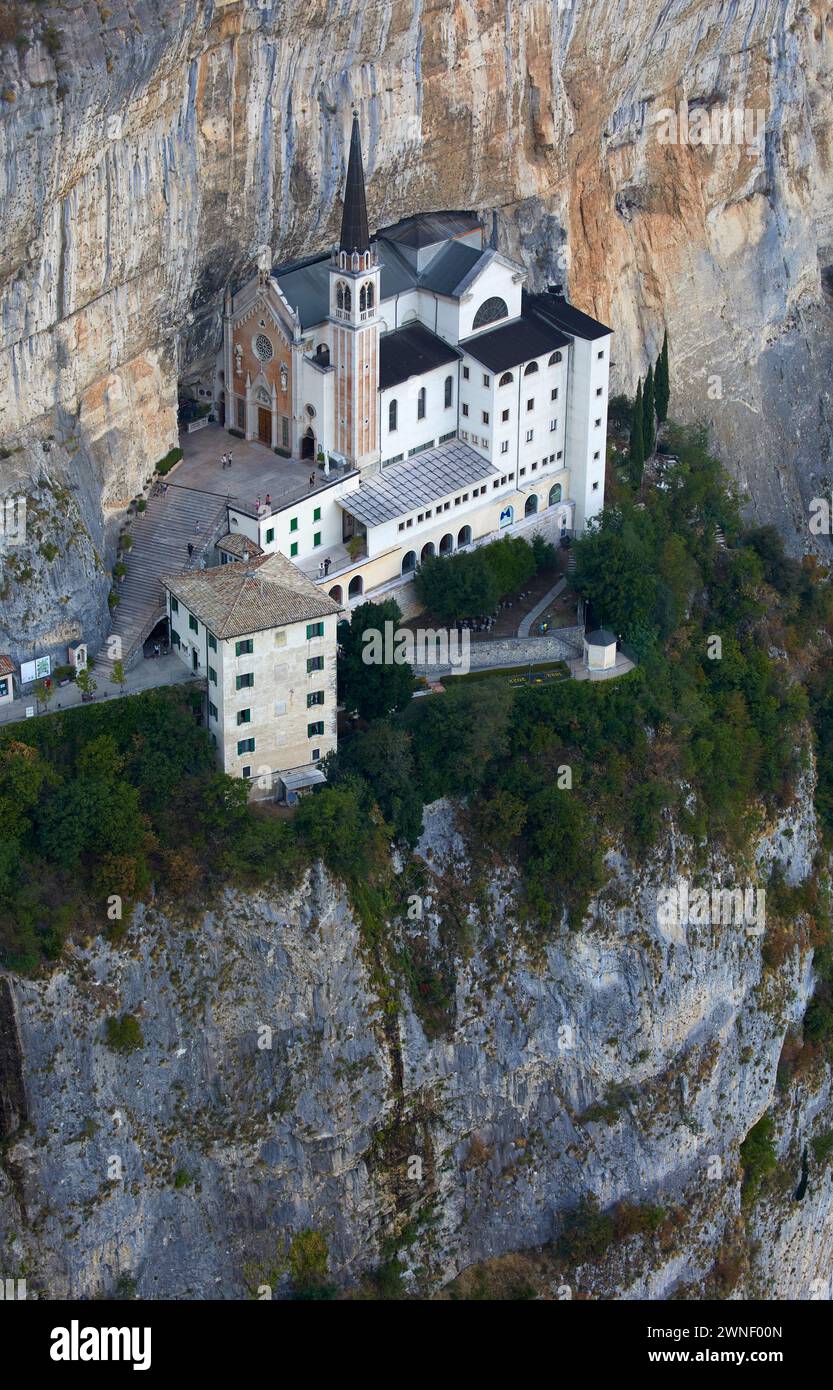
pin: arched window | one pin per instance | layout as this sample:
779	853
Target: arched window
506	379
531	505
427	551
356	586
490	311
393	413
343	296
530	368
464	536
409	562
555	494
447	544
336	593
449	391
556	357
421	403
366	296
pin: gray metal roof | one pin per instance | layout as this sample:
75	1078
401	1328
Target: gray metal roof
449	267
306	284
417	482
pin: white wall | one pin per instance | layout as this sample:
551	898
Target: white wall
410	431
496	279
586	441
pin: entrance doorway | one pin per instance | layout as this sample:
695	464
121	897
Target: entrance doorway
264	425
195	661
308	445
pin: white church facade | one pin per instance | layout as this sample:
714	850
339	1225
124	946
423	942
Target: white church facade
438	403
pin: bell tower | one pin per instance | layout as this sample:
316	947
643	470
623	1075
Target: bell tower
354	313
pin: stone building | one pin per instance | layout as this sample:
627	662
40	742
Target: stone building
444	404
264	637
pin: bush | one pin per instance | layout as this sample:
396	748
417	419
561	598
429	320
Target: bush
308	1258
587	1232
758	1157
124	1034
166	464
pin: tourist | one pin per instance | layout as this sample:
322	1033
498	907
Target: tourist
229	459
268	500
190	550
327	566
312	480
257	504
223	461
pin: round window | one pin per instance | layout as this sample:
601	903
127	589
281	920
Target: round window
263	347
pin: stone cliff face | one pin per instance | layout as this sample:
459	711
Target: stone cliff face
284	1084
147	152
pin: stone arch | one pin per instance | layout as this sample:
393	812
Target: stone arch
427	552
356	586
531	506
555	494
409	562
447	544
464	536
337	593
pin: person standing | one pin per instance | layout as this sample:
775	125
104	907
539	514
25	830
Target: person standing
190	550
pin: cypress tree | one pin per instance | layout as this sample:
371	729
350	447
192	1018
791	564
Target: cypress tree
648	422
637	445
662	382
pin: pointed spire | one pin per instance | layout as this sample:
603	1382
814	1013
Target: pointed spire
354	233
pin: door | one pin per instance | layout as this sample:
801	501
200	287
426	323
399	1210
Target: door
264	425
195	661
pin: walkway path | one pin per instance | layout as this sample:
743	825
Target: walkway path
160	546
158	671
526	623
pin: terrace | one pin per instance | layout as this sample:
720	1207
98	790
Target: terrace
256	470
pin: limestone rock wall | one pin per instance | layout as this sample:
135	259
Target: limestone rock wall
284	1085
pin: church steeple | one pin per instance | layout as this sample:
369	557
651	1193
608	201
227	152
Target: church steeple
354	232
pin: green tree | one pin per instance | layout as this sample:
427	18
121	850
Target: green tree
373	681
383	756
44	692
662	384
86	684
637	439
648	420
118	676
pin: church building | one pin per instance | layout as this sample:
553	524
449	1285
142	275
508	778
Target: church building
438	402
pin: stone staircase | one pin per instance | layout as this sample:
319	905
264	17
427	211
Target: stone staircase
160	546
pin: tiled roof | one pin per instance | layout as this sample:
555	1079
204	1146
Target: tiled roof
236	599
411	351
234	543
415	482
7	666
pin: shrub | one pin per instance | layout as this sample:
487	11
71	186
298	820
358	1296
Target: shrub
166	464
308	1257
124	1034
757	1153
587	1232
